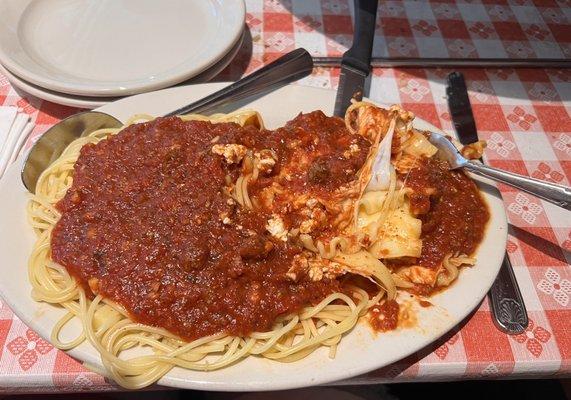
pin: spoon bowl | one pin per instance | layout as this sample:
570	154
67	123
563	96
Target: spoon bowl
55	140
447	151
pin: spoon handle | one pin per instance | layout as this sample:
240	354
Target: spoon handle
288	68
556	194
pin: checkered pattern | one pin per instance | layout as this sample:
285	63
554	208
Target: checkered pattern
412	28
523	114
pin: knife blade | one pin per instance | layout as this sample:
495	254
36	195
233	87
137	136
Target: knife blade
356	62
461	109
508	308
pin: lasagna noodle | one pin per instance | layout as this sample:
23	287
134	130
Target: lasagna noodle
385	215
450	268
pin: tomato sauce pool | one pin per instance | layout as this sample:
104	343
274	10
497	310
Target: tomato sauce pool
142	225
452	211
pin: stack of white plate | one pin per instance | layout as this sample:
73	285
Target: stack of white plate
86	53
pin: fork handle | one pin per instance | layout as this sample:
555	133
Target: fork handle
557	194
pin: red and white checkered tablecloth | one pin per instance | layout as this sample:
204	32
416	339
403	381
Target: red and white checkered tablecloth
417	28
523	114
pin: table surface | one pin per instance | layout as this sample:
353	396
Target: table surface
523	114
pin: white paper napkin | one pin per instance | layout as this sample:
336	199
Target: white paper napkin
7	117
14	130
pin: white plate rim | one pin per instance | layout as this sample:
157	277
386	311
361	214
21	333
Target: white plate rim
86	102
256	374
55	97
232	10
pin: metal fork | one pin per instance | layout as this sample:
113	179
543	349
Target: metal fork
556	194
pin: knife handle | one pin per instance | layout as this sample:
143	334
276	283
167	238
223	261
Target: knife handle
288	68
557	194
359	55
508	307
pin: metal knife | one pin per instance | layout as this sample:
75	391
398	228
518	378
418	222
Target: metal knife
356	62
508	307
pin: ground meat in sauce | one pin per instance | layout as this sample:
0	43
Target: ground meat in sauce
319	172
146	218
314	157
453	213
313	147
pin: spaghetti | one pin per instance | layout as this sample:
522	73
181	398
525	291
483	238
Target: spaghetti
296	221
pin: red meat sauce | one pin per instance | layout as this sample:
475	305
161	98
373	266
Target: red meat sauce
141	224
384	317
452	211
314	152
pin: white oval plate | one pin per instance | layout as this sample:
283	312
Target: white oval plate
94	102
115	47
55	97
359	352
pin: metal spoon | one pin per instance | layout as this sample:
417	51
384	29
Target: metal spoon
286	69
556	194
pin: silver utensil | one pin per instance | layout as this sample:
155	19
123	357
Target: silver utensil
508	307
286	69
556	194
356	62
426	62
506	302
